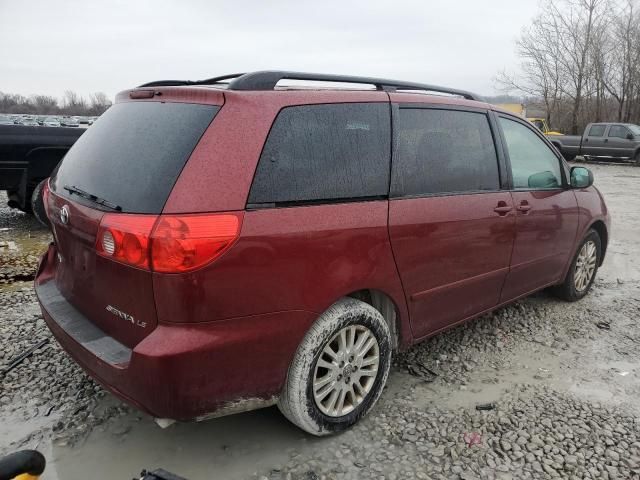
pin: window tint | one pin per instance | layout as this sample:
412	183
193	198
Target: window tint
597	130
442	151
325	152
133	155
533	163
618	131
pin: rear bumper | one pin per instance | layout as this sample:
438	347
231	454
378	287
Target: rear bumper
182	371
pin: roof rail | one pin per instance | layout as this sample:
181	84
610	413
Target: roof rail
182	83
268	79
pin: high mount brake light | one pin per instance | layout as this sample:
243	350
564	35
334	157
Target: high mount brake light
167	243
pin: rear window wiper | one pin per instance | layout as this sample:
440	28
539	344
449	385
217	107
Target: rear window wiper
94	198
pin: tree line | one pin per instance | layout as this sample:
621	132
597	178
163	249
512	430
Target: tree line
580	62
71	103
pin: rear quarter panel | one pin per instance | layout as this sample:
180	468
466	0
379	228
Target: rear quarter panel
289	259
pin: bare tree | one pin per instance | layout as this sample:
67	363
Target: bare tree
623	57
541	69
581	60
44	104
98	103
70	104
71	101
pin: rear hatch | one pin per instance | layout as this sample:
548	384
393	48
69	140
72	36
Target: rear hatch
121	170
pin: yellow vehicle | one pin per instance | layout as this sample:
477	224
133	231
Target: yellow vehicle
520	109
542	124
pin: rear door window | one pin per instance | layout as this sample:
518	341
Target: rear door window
443	151
323	153
597	130
534	166
133	154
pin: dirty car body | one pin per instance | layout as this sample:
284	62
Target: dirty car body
218	273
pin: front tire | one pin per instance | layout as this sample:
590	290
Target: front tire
584	267
339	369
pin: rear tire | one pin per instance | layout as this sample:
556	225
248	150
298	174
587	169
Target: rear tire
309	387
637	159
583	269
37	204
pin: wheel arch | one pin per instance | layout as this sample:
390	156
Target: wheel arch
601	229
385	304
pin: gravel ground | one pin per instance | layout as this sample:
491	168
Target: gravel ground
558	383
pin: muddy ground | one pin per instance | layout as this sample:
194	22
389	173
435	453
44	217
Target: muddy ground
562	381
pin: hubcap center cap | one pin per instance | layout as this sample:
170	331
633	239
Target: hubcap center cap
348	370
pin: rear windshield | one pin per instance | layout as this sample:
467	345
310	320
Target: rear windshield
133	154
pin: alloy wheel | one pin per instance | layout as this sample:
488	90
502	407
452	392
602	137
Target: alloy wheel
585	266
346	370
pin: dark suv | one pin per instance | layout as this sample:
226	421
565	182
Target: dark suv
231	243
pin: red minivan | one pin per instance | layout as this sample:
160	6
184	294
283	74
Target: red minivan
233	243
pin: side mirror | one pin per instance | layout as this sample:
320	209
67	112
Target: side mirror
630	136
581	177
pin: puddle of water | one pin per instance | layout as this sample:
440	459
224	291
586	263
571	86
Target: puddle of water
9	245
233	447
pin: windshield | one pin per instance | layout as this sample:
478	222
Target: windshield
134	154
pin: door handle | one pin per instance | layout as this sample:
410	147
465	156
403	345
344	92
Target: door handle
606	140
502	209
524	207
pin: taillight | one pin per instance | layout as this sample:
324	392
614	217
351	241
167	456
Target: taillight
125	238
166	243
180	243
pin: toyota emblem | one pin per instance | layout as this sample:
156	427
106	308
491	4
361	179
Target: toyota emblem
64	215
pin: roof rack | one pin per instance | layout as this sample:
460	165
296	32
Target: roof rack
268	79
182	83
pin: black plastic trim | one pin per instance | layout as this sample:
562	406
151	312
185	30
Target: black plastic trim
183	83
268	79
445	194
309	203
79	327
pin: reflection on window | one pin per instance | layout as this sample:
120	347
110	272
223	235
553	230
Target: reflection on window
533	164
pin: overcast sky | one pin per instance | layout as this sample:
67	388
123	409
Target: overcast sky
49	46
